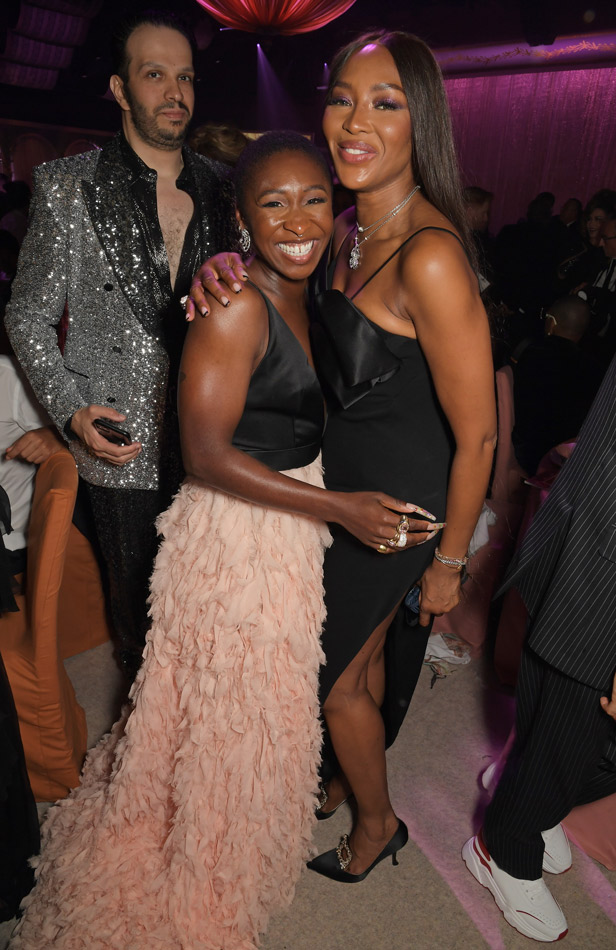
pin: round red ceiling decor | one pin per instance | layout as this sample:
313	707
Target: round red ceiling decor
275	16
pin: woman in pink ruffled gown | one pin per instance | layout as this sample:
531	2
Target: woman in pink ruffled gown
194	815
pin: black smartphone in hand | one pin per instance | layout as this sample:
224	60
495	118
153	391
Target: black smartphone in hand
112	431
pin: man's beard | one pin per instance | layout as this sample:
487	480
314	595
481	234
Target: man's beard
147	128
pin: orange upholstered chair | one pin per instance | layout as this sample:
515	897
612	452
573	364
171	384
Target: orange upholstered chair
58	617
593	827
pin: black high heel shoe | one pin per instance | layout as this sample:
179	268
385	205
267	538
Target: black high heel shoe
323	798
333	864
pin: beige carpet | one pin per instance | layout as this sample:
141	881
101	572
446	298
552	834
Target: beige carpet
429	902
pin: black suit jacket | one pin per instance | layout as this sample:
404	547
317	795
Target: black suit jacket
566	567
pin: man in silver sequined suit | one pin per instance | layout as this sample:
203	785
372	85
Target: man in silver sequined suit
114	239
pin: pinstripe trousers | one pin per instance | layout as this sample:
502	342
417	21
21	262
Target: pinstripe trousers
562	756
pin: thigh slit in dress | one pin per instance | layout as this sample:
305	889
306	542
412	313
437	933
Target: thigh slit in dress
385	431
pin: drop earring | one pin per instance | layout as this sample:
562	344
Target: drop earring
245	240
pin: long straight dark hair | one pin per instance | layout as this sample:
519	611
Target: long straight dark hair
433	155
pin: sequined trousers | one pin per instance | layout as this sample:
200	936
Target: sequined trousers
125	524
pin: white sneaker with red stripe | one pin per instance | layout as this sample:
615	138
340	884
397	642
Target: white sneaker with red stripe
527	905
557	854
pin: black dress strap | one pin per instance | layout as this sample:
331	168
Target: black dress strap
429	227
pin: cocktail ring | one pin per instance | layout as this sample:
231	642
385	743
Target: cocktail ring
383	549
184	301
403	525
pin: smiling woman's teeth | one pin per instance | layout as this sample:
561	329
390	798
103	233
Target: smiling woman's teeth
297	250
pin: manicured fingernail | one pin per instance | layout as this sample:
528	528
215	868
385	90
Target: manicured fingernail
432	534
237	288
421	511
437	527
204	311
225	301
244	275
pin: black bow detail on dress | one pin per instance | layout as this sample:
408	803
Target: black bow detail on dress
350	354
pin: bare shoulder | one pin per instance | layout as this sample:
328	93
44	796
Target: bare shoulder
436	262
440	288
245	319
434	252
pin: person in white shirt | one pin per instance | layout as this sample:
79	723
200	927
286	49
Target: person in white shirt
27	438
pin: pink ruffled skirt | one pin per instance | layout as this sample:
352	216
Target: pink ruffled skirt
194	816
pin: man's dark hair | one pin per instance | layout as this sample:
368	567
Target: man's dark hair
259	151
150	17
572	315
220	141
602	200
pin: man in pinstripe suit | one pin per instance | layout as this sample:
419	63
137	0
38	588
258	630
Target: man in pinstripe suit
565	748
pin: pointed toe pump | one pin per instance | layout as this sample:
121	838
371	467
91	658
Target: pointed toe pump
334	863
323	799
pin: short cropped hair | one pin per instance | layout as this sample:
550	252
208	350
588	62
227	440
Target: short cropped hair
259	151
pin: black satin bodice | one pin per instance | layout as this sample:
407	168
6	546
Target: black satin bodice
350	352
283	419
385	426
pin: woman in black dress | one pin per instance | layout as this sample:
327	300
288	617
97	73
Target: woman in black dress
410	392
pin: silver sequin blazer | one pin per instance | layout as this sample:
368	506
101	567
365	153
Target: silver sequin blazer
84	250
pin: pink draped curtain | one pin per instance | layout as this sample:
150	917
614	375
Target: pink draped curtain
523	133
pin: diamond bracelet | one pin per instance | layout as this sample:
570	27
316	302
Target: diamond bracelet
459	563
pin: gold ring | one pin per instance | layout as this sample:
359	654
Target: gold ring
403	525
395	538
383	549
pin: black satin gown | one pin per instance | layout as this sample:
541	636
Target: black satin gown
385	431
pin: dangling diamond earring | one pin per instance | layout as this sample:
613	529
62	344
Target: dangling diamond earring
244	240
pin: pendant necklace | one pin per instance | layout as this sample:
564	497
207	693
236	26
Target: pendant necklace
355	254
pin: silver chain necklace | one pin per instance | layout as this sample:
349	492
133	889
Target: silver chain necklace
355	254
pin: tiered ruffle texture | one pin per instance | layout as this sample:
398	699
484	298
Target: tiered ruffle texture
194	815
